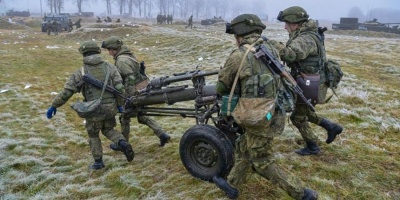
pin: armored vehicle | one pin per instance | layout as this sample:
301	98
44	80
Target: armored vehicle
212	21
62	21
373	25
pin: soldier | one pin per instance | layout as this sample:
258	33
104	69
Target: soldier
70	25
104	118
55	27
131	76
78	23
98	20
49	27
254	147
190	22
109	19
302	54
118	20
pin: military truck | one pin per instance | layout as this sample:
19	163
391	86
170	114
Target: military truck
62	21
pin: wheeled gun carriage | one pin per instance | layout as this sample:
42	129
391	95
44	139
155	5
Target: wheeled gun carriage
206	149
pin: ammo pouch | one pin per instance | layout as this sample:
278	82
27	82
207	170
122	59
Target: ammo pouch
309	83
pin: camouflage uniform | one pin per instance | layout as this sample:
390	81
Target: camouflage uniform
129	69
104	118
190	22
78	23
254	147
305	52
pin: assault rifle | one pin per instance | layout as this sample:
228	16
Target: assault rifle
277	68
98	84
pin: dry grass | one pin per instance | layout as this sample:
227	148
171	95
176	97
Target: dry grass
49	159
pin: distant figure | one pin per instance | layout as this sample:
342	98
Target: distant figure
118	20
109	19
70	25
190	22
78	23
98	20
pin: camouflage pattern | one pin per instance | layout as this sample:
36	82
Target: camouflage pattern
254	148
190	22
78	23
129	69
52	27
104	119
107	129
293	14
247	23
301	46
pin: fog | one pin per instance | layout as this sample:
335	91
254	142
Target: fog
385	10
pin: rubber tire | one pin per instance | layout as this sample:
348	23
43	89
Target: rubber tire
215	148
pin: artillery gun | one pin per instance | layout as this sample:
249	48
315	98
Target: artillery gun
206	149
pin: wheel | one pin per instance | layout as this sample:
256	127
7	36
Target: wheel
206	152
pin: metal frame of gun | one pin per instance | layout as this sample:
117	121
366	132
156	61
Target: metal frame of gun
277	68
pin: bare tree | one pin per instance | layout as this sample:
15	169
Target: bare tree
108	5
79	4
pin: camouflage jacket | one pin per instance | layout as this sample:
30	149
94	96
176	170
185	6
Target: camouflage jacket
129	69
95	66
251	66
302	49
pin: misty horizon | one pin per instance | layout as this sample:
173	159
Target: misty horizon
386	11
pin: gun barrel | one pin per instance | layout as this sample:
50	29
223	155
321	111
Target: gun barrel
164	81
172	97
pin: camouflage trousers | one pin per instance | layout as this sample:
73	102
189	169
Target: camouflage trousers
125	124
254	152
107	129
300	117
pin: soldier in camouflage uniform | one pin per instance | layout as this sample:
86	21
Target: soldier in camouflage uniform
104	119
129	69
254	147
302	53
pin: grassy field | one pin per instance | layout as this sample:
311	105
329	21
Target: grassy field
49	159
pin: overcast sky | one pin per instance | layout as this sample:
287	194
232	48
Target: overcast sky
317	9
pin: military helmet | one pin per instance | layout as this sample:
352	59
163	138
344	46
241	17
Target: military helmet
89	46
293	14
112	42
245	24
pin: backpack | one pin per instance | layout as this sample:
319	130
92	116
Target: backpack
334	73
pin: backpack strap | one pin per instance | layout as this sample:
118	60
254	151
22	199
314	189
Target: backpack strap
237	77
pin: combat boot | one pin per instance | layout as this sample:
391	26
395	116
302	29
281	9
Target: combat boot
231	192
115	147
310	194
332	128
164	138
98	164
126	148
310	149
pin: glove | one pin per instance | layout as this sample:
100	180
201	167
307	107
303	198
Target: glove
120	109
51	111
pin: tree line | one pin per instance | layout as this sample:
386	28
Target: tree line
149	8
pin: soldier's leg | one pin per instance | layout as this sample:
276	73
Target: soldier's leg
109	131
300	120
158	131
125	121
93	128
242	167
263	163
332	129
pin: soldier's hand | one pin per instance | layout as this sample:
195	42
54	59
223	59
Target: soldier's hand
51	111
